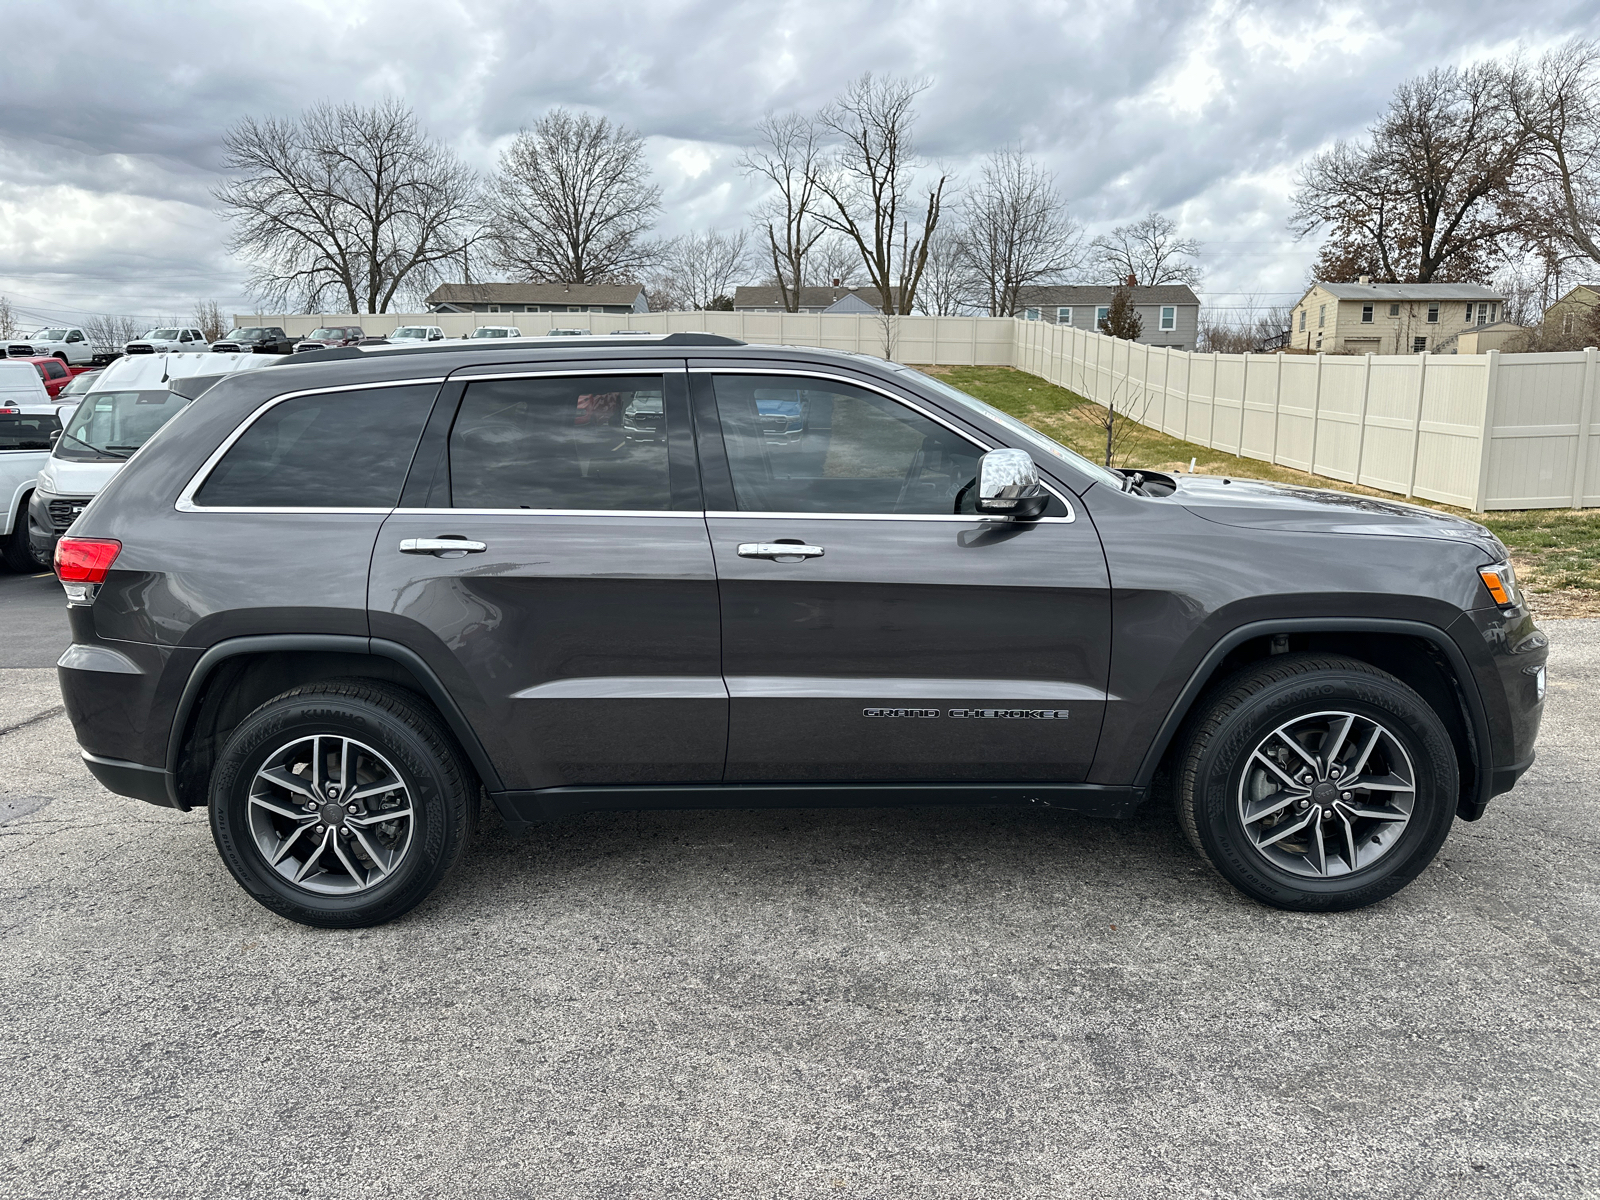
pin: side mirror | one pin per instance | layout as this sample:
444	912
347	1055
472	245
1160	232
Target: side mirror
55	436
1009	486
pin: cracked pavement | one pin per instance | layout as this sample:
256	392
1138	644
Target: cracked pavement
881	1003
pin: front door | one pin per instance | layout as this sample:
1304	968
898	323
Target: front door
578	618
874	628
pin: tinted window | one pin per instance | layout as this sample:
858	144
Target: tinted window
336	450
590	442
27	432
815	446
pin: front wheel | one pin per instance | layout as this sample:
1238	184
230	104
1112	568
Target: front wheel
1317	783
15	548
342	804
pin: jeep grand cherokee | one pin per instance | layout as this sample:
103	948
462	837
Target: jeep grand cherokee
339	600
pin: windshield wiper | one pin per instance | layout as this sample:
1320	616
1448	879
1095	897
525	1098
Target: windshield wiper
106	450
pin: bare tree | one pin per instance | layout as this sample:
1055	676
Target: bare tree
1556	105
1428	197
8	318
113	332
573	203
348	204
700	269
948	286
870	183
787	154
1015	231
1148	249
832	258
1258	327
207	316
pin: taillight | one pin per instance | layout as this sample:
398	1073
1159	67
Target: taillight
85	560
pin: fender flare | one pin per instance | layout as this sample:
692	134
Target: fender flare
328	643
1466	683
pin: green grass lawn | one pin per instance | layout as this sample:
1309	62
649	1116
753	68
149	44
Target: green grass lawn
1557	551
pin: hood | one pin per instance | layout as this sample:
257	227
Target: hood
1258	504
67	478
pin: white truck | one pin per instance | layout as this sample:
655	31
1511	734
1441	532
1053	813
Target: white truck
171	339
28	419
67	342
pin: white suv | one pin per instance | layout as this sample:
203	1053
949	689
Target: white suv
416	335
494	331
28	417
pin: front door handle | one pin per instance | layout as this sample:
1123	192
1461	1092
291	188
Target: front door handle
778	550
442	546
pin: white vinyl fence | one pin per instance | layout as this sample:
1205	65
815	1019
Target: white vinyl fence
1482	431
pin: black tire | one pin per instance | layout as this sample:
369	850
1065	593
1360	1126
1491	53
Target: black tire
15	548
401	727
1219	748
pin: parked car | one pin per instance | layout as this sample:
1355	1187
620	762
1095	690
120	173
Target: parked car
329	336
66	342
168	340
494	331
81	381
28	417
408	335
569	333
254	339
128	402
54	373
339	604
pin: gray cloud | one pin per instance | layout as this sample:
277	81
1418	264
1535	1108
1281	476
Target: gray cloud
108	152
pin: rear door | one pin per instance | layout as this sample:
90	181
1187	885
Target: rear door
874	628
578	622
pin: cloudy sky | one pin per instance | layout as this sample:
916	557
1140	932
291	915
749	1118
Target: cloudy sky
109	148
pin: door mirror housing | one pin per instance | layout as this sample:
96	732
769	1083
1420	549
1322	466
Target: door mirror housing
1009	486
55	436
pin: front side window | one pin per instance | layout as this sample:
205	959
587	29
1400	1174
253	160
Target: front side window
329	450
109	426
574	442
1169	317
817	446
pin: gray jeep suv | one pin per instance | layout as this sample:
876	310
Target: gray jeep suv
342	600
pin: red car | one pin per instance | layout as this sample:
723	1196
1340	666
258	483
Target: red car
55	373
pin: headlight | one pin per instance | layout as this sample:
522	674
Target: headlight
1501	580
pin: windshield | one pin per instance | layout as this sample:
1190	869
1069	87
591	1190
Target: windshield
490	333
248	334
50	335
1024	433
80	384
112	425
329	333
163	335
408	331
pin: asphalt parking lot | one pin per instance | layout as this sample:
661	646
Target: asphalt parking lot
884	1003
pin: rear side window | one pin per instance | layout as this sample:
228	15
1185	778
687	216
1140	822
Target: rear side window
27	431
330	450
587	442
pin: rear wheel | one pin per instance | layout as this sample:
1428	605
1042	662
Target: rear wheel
15	548
341	804
1317	783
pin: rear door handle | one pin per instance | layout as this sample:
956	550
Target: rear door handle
441	546
778	550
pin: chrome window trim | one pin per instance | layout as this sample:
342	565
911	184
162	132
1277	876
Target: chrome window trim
461	376
694	514
973	438
185	502
963	518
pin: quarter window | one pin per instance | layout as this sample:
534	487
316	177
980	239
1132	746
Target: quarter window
1169	317
815	446
330	450
581	442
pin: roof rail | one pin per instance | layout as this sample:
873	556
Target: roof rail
484	344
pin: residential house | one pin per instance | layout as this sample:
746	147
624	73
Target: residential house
1169	314
1482	338
1389	318
833	299
1568	314
618	299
